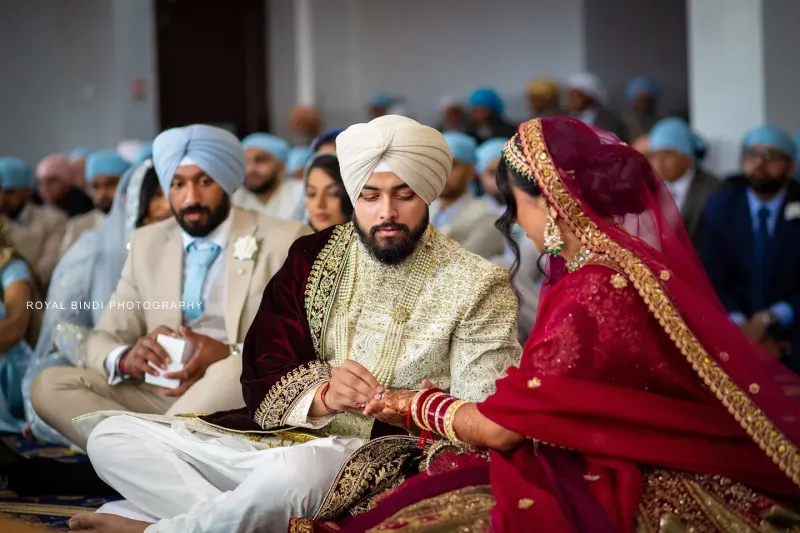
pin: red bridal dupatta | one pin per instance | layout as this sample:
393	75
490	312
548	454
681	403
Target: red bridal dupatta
693	395
633	375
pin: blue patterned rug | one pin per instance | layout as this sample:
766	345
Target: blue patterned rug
53	511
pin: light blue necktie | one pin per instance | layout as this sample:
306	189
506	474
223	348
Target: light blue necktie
197	265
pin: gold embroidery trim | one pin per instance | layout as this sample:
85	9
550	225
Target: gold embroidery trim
374	468
323	280
760	428
285	393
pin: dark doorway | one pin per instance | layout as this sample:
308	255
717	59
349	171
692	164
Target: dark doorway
212	63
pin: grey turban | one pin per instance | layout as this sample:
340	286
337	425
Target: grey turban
218	152
418	154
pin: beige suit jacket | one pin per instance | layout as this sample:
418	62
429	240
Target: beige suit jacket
37	237
77	225
473	228
153	274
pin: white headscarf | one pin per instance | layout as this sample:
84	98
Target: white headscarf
418	154
589	84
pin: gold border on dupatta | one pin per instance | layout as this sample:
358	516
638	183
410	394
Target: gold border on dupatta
323	280
760	428
320	292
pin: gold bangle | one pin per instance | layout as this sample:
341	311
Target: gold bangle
424	411
414	405
450	419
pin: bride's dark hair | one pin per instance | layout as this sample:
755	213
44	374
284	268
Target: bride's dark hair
505	176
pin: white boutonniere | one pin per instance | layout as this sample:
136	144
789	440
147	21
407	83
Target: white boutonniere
245	248
792	211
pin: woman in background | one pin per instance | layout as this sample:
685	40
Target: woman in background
17	290
327	203
86	277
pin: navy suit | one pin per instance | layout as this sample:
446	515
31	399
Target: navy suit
727	251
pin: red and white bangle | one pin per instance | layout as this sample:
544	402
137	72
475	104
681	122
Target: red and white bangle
322	393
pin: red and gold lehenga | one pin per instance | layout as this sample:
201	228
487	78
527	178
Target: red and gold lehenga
645	408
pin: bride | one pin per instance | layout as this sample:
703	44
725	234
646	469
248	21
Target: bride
637	406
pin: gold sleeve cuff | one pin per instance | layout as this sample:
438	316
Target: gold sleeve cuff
281	398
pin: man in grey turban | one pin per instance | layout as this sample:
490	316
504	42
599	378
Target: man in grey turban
197	276
422	306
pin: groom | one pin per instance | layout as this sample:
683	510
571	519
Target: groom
383	302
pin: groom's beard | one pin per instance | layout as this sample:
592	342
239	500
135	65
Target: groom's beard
392	250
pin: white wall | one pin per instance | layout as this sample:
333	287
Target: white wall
781	66
726	75
67	68
625	38
424	50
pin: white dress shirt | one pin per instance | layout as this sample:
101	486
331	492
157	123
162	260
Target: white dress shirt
285	203
680	188
212	322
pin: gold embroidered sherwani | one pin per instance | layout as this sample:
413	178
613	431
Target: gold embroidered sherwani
445	315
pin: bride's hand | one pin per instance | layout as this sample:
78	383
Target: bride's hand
391	407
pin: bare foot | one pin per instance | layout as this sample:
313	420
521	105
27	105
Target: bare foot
106	523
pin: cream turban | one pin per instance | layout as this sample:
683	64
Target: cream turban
418	154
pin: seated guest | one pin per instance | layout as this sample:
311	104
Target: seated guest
304	125
487	113
265	188
77	159
544	98
327	203
380	303
586	100
674	151
17	291
750	244
297	161
381	104
55	179
454	116
84	280
459	214
34	231
487	157
522	264
326	142
641	94
103	171
198	275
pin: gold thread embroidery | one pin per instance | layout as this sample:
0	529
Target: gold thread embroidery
525	503
379	465
754	388
322	282
665	275
282	395
534	383
760	428
618	282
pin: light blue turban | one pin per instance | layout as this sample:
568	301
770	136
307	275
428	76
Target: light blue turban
797	158
298	158
489	99
488	152
462	146
145	152
218	152
272	144
79	153
383	100
771	136
15	174
105	163
675	134
641	84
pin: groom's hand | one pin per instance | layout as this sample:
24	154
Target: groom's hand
352	386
